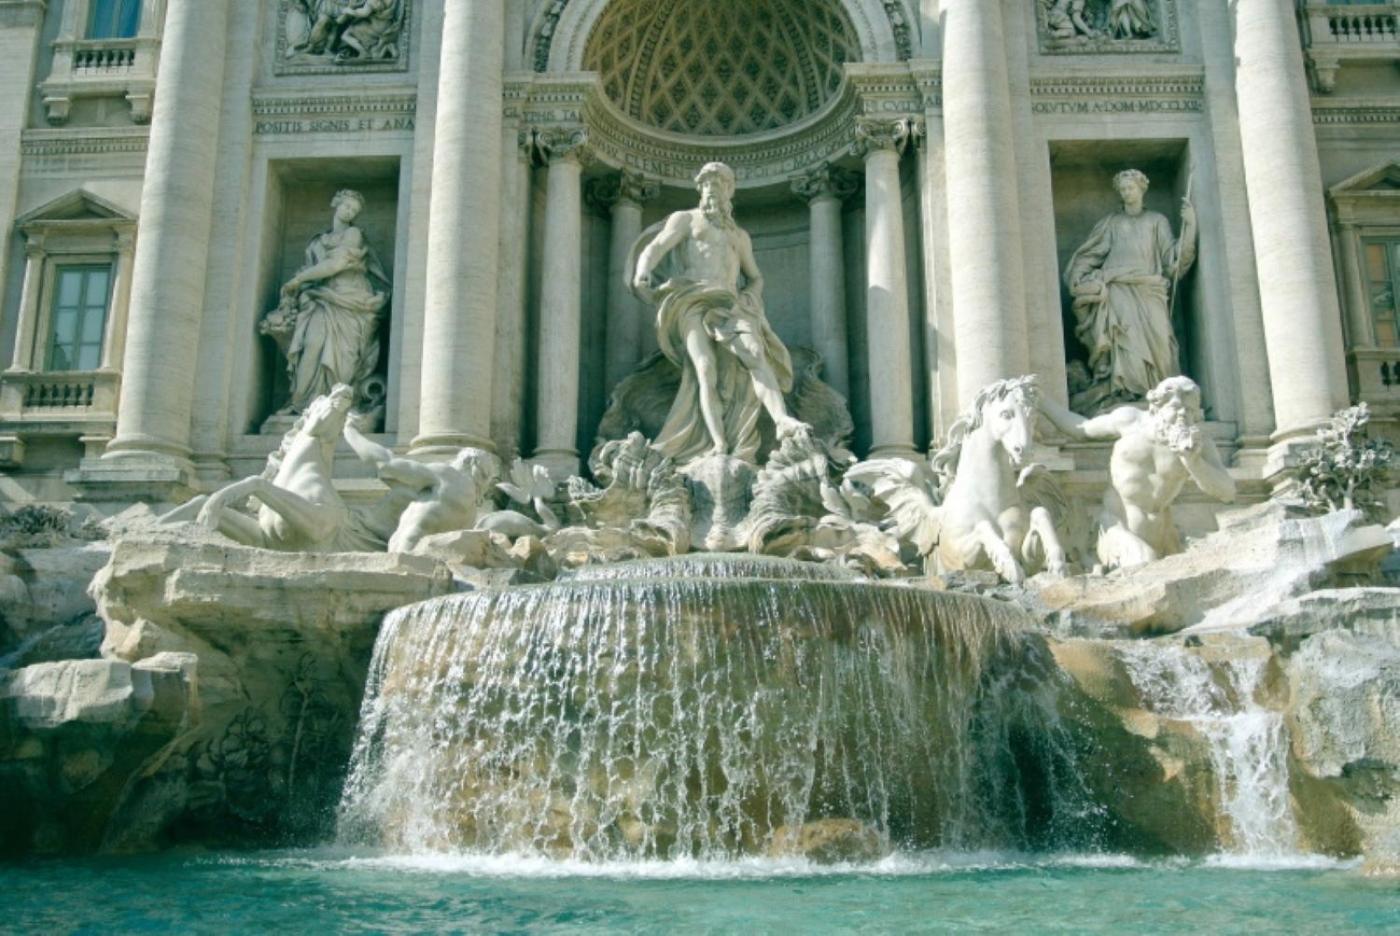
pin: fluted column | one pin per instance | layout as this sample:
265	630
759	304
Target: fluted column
177	199
561	303
459	316
1297	283
888	327
987	272
825	189
623	196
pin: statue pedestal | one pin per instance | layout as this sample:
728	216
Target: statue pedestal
721	489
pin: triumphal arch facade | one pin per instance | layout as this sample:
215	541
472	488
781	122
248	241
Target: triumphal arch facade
214	211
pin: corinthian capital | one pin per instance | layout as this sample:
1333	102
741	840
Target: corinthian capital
826	182
627	185
556	143
874	134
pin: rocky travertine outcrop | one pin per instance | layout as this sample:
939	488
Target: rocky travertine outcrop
76	735
276	647
1260	557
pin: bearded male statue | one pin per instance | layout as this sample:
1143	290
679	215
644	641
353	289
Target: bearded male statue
1155	452
734	368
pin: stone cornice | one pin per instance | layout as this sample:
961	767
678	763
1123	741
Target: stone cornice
316	104
84	142
1364	112
888	91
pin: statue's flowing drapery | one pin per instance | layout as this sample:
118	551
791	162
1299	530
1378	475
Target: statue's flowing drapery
726	318
1121	280
336	339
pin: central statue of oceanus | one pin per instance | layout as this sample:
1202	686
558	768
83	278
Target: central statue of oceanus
734	368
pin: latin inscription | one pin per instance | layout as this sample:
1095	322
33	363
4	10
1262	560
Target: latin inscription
1130	106
333	125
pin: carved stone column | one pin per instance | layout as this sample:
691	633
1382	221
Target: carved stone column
825	189
561	302
888	327
168	275
987	271
21	22
28	325
623	195
459	326
1297	283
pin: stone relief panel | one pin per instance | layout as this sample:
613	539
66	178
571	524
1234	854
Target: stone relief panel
1107	27
332	36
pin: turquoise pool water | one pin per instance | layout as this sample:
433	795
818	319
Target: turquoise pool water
338	891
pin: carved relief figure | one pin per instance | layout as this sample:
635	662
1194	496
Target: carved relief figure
1131	19
735	370
1065	19
1121	280
351	30
1154	454
328	321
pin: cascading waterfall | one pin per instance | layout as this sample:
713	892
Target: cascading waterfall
696	707
1248	743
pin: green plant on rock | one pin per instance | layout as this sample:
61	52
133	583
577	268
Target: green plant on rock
1346	470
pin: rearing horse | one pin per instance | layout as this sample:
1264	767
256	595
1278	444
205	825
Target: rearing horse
968	508
299	508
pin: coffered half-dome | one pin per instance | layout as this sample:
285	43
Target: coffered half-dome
721	67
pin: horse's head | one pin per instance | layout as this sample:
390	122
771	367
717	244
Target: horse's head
1007	411
325	417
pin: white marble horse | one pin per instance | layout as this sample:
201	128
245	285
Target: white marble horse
299	508
969	508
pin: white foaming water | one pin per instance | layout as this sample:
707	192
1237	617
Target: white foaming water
704	713
1248	743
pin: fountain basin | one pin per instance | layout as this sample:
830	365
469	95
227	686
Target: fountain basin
706	707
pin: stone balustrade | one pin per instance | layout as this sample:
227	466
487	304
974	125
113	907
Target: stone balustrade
64	403
1338	34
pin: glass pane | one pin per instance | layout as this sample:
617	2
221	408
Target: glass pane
1385	333
128	18
89	357
1382	297
113	19
70	286
59	360
91	332
96	294
65	326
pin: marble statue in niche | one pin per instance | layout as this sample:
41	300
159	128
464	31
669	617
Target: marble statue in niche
344	32
1123	281
327	323
1155	452
735	370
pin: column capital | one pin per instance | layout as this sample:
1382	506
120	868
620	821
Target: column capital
826	181
555	144
885	134
625	186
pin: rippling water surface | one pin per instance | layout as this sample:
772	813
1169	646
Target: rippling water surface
340	891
